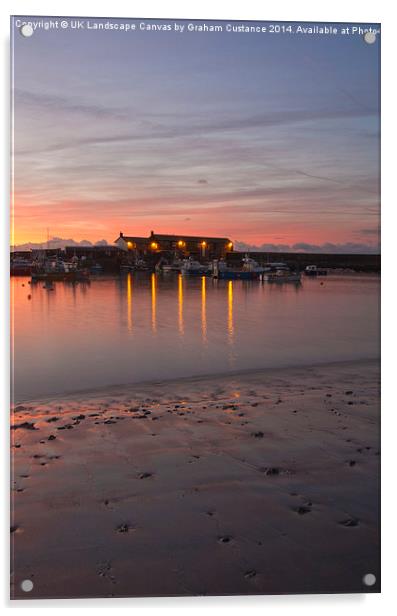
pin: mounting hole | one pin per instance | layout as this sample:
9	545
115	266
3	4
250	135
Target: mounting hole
27	585
26	30
370	37
369	579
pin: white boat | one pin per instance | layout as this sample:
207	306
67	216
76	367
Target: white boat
190	267
313	270
250	265
175	266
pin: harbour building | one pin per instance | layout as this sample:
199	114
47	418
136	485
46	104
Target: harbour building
183	246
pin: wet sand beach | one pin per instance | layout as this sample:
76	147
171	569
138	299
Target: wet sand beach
260	482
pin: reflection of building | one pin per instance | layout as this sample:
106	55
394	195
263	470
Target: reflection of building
200	247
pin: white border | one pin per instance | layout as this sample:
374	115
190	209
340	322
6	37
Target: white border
292	10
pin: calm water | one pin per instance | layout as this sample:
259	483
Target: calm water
145	327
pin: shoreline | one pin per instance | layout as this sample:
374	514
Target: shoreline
263	482
127	387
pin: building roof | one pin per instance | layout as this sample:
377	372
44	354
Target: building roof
96	248
170	237
198	238
132	238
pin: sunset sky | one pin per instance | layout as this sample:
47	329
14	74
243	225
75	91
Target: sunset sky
266	139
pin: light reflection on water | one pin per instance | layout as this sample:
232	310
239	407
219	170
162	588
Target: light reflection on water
146	327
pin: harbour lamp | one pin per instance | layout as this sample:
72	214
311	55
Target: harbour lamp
230	245
181	244
154	245
130	245
203	244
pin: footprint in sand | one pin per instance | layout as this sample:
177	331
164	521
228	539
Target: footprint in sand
271	470
124	528
104	570
145	475
349	522
15	529
302	509
225	539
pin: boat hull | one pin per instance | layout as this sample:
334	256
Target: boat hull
194	273
229	275
21	270
316	273
273	278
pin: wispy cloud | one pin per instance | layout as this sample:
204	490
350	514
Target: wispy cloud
143	136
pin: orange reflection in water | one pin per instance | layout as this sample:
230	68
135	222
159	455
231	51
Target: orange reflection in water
230	323
180	305
129	301
154	302
204	309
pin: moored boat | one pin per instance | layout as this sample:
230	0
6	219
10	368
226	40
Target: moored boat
57	270
20	267
250	270
190	267
313	270
280	276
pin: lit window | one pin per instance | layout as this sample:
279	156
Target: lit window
154	245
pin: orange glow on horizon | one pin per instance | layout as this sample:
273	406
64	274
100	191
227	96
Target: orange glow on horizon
93	221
